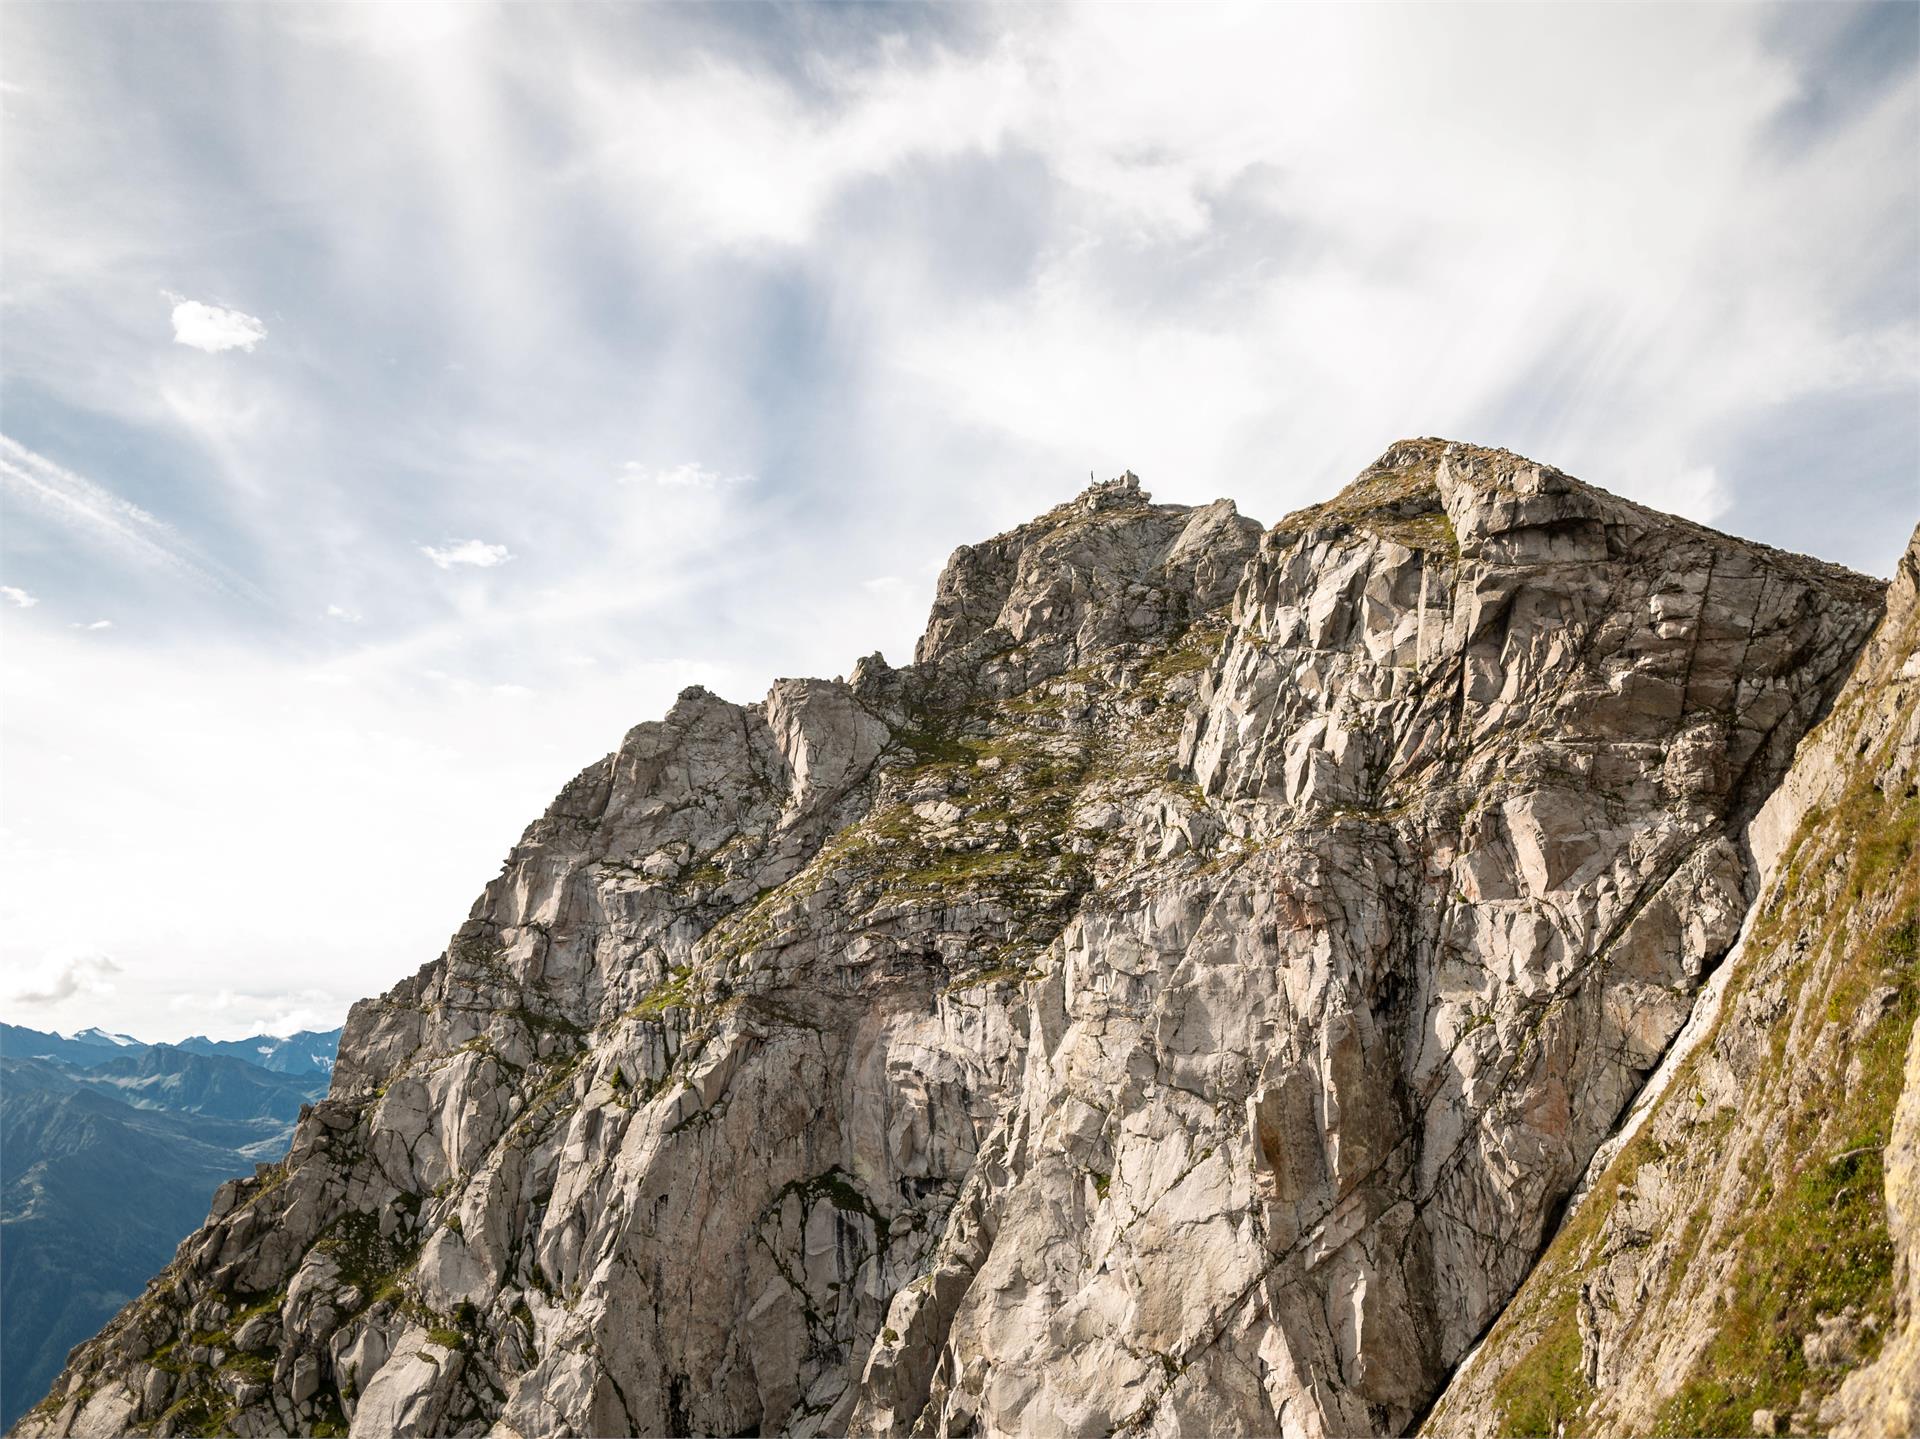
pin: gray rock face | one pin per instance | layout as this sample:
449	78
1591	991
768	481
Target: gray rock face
1179	1002
1748	1244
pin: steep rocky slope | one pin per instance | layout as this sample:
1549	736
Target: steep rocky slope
1180	1001
1750	1244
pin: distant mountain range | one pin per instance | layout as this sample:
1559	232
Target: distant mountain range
110	1149
308	1052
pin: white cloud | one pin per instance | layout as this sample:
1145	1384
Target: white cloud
230	1013
213	328
689	476
61	979
344	615
18	596
95	625
467	552
751	164
320	1015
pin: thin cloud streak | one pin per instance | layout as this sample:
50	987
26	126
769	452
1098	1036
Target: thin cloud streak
98	516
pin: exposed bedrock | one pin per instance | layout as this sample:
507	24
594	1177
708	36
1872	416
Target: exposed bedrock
1181	1001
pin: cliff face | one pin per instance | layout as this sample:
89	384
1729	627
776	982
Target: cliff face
1749	1246
1182	1000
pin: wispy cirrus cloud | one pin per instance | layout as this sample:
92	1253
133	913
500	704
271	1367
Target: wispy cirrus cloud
213	328
98	517
477	553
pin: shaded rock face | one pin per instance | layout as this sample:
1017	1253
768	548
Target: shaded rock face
1181	1001
1745	1258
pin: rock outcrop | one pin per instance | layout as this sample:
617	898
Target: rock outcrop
1748	1244
1181	1001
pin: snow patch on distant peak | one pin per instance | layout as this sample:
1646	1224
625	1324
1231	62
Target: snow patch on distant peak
94	1032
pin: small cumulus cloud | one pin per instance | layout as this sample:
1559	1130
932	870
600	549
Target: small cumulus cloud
467	552
689	476
211	327
512	691
95	625
63	979
18	597
343	614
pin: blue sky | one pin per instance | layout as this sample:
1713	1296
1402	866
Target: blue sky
400	402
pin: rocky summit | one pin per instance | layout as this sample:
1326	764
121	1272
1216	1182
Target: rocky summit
1447	959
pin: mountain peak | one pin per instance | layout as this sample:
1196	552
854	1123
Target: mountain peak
1107	568
1219	955
1123	489
96	1035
